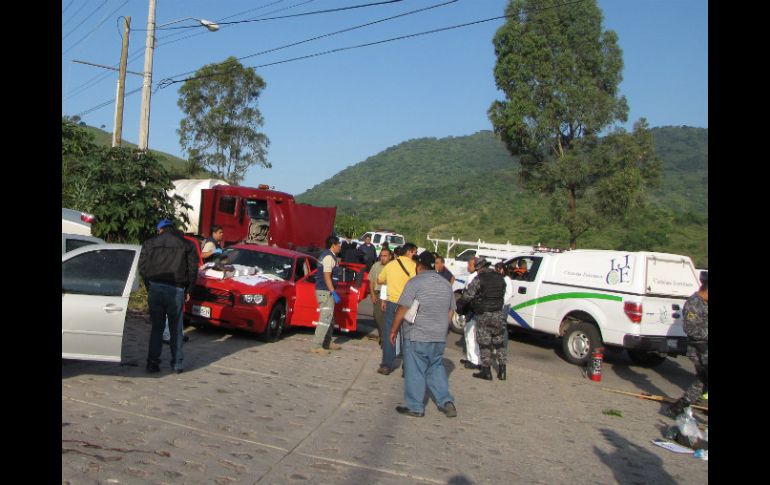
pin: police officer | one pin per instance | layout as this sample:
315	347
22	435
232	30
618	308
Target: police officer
485	294
695	316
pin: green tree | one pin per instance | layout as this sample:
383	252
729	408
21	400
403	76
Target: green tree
560	74
349	224
124	188
219	130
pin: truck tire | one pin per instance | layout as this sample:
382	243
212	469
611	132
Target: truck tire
275	323
457	325
579	342
645	359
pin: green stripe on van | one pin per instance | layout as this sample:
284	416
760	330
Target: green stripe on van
566	296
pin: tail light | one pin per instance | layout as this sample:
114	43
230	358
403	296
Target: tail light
633	311
86	217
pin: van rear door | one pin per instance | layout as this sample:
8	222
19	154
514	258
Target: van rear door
669	281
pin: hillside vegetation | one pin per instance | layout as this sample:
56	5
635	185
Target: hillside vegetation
468	187
175	165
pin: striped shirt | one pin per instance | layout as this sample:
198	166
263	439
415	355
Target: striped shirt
436	299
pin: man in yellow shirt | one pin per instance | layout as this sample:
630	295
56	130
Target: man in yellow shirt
394	275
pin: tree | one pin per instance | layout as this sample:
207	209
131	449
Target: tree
560	74
220	128
124	188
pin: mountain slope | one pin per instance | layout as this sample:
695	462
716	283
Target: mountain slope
468	187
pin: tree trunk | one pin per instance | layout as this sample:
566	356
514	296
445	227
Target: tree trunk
572	199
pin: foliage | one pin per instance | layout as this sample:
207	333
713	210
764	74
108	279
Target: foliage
221	119
443	187
348	224
124	188
560	74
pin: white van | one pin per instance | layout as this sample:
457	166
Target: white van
593	298
459	264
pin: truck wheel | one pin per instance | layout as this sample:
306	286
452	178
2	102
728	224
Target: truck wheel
275	324
579	341
645	359
458	323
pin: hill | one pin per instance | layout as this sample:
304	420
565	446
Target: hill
177	166
468	187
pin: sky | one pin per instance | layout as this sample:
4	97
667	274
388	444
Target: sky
329	112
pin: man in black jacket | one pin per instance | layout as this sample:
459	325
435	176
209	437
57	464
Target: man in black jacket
169	267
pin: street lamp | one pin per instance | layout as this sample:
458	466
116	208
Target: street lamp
144	120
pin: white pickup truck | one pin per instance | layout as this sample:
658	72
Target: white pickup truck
594	298
380	236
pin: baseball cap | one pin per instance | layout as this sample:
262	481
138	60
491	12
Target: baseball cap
481	262
164	223
426	259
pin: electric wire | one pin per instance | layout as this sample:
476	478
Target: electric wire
82	6
104	19
68	6
139	52
83	21
349	29
340	9
167	81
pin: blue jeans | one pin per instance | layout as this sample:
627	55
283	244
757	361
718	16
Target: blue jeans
388	350
166	301
424	367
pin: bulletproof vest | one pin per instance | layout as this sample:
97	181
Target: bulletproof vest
320	284
490	296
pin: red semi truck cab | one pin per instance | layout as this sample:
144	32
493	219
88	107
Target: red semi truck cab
263	216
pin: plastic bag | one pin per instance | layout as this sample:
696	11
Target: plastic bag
689	434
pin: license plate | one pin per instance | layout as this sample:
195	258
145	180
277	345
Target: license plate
201	311
672	343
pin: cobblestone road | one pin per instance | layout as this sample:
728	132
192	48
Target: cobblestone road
248	412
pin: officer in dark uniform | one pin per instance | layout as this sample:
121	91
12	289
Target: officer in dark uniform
485	295
695	316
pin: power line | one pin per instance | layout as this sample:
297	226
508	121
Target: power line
87	17
167	82
95	28
76	12
340	9
106	103
349	29
137	53
68	6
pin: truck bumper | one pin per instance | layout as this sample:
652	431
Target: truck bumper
662	344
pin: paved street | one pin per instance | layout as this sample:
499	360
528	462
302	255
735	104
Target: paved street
249	412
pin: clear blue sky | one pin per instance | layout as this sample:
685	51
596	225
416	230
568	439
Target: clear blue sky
329	112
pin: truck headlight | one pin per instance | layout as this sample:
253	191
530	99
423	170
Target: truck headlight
253	299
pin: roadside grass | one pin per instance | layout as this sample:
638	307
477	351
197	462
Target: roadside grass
612	412
137	302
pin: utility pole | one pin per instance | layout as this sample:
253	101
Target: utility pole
144	120
118	125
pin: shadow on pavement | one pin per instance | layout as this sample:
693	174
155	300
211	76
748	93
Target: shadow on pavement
631	463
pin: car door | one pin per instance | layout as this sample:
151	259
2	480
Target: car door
525	287
97	281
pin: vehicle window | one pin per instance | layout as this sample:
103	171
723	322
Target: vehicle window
102	272
377	238
263	262
256	209
227	205
312	265
466	255
73	244
532	265
397	240
301	269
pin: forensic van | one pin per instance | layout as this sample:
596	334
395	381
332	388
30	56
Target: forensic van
594	298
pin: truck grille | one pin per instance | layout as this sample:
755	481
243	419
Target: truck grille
223	297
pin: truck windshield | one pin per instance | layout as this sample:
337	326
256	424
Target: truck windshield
397	240
263	262
256	209
466	255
